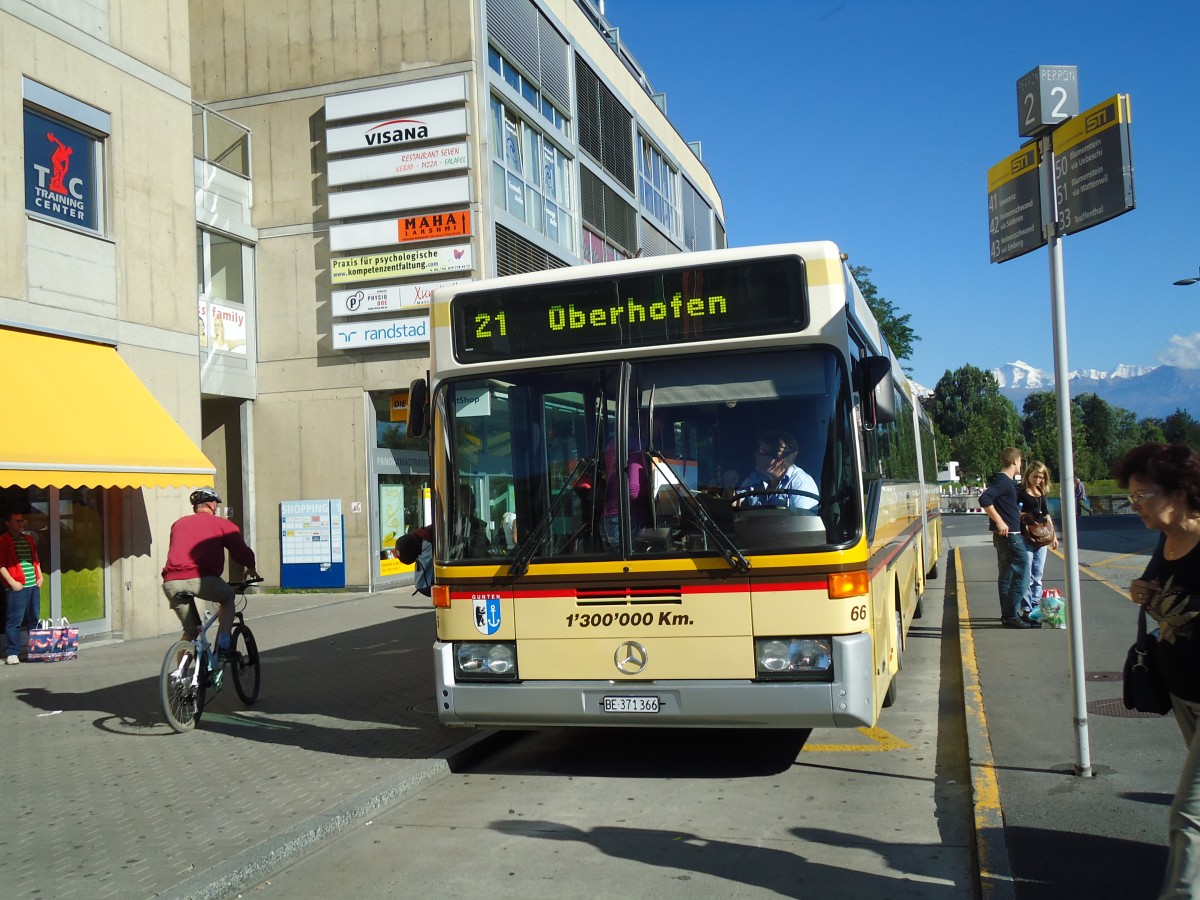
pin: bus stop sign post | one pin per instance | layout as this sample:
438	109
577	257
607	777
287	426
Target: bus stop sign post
1047	99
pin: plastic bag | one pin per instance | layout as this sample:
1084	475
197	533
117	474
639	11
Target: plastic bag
1051	611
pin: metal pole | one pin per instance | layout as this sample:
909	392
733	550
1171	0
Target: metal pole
1066	453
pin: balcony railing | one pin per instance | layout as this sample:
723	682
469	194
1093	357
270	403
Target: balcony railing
220	141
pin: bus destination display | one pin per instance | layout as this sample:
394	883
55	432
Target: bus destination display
698	303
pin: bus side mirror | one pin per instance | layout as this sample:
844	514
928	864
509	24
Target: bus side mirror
878	393
418	408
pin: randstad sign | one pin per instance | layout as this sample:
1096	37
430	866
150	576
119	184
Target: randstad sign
59	173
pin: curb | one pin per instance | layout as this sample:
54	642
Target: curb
254	865
991	847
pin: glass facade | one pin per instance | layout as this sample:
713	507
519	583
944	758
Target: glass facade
531	176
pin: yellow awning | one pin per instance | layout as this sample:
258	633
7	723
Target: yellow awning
74	415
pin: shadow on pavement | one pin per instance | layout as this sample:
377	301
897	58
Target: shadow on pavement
781	872
312	695
648	753
1052	864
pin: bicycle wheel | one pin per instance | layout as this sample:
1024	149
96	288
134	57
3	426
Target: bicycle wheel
245	668
181	701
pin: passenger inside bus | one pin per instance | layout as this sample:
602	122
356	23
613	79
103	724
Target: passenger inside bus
470	538
640	494
776	480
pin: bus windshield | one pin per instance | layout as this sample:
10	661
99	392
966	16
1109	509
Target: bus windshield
746	453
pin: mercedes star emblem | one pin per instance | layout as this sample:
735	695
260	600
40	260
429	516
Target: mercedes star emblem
630	658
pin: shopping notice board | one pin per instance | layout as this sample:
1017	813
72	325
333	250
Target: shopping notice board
312	544
1015	205
1093	166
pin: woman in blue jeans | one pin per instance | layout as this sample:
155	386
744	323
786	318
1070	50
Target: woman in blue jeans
1032	496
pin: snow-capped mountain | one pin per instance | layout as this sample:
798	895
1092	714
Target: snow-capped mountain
1144	390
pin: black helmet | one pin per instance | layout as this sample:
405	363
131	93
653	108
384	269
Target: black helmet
204	495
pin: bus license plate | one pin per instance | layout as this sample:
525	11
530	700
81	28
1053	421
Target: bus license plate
631	704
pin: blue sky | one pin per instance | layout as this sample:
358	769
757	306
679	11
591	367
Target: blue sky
873	123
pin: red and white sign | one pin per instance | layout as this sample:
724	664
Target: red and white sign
388	298
418	161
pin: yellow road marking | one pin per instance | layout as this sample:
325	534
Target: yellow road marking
991	847
881	741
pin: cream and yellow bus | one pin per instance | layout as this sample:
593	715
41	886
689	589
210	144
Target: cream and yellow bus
692	490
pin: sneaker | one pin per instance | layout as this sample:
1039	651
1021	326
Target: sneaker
12	661
1017	623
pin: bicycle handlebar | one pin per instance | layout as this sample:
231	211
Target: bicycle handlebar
240	586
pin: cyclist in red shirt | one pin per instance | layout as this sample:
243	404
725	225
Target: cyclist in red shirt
196	562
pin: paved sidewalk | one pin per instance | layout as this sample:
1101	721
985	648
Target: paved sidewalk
94	805
1063	835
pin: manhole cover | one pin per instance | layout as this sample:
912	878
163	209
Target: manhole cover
1116	707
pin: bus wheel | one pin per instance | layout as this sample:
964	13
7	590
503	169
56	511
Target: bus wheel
889	696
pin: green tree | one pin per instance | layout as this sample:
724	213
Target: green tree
1151	429
1180	428
977	420
1039	425
896	330
1099	432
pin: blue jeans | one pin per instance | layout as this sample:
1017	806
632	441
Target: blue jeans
24	608
1012	563
1037	565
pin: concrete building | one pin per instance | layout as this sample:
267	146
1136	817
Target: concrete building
322	167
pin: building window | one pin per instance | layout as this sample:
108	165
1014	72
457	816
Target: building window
697	220
515	255
656	184
608	216
605	126
223	281
530	176
597	249
64	158
525	35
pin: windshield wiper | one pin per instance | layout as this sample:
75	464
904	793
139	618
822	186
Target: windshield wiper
527	549
729	550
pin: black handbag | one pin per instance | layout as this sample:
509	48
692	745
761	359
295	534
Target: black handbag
1144	689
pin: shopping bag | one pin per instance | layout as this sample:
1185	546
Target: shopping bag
1053	612
43	642
67	639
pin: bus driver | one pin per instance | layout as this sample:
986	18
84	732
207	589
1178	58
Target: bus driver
775	470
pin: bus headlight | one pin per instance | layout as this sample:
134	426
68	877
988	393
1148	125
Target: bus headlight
478	661
794	659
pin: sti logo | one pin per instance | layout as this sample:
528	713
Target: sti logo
487	614
1099	119
1023	162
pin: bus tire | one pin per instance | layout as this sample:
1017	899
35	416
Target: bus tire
889	696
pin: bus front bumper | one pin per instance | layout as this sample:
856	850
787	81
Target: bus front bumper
848	701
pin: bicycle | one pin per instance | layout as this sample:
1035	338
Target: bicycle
191	669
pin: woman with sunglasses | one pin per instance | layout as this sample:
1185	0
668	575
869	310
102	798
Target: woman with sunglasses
1164	489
